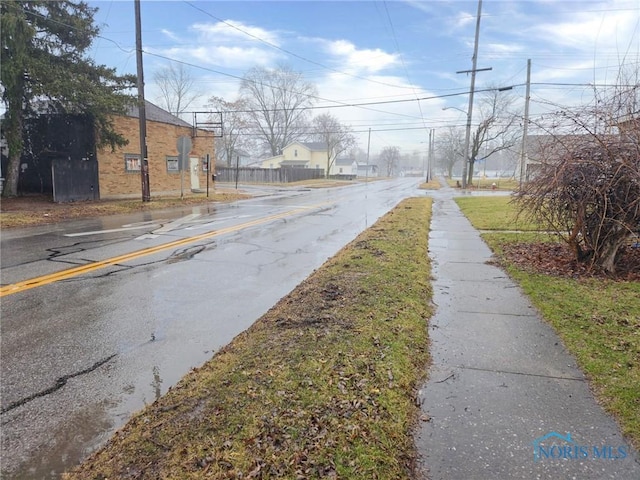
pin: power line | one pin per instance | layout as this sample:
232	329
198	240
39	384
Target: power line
334	103
404	66
353	131
337	103
592	85
293	54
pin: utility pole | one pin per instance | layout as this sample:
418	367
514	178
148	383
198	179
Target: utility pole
142	116
368	147
237	169
523	148
430	145
473	71
426	159
432	148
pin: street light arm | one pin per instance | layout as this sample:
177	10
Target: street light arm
454	108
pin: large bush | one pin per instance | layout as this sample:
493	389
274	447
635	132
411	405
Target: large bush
587	189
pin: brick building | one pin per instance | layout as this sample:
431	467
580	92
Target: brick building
60	157
119	170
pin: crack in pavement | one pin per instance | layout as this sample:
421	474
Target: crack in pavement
177	255
492	370
60	382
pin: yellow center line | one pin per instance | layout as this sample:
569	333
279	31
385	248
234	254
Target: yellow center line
90	267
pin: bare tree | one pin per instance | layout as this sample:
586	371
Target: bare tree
586	186
450	148
278	100
358	154
497	129
390	159
337	137
176	87
235	128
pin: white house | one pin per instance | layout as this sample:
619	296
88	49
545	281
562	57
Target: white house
367	170
344	166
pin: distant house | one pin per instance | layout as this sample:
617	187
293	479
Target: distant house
345	167
61	157
367	170
543	148
629	125
314	155
299	155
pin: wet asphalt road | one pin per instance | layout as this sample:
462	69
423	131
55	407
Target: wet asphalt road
79	355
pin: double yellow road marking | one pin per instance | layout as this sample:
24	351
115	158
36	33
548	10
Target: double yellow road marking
90	267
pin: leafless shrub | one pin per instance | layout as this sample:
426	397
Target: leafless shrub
586	185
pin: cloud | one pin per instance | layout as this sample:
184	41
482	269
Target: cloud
565	72
386	119
353	59
463	19
592	31
234	31
229	44
502	48
170	34
223	56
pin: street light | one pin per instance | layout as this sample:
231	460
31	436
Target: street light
454	108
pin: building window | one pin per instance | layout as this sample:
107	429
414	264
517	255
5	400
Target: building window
173	164
131	162
340	169
205	163
295	153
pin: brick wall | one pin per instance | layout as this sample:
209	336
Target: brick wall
116	182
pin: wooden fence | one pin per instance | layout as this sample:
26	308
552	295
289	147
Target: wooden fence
267	175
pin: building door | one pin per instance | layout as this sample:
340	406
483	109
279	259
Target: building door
194	164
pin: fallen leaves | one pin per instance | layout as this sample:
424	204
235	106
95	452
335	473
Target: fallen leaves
557	259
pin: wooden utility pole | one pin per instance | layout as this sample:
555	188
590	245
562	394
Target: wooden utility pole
366	174
467	134
432	145
142	116
523	148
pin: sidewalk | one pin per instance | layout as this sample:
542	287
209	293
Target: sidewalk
504	400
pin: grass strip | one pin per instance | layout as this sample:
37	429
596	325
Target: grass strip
598	320
487	183
322	386
432	184
494	213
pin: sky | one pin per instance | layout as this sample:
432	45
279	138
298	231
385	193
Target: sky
398	58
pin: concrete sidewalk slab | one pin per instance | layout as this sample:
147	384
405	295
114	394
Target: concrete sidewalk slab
504	399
